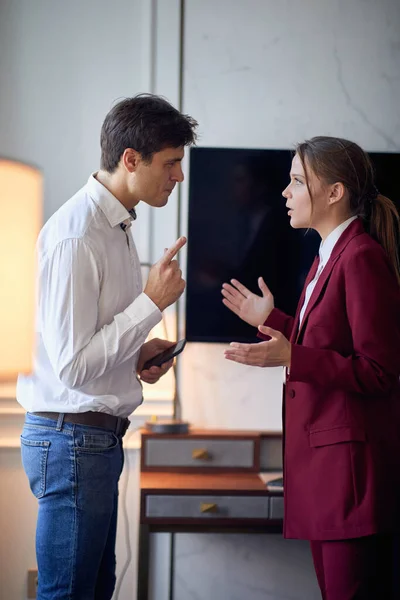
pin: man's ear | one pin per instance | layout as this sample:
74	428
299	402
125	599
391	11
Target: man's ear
130	159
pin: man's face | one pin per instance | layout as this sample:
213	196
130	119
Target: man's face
154	181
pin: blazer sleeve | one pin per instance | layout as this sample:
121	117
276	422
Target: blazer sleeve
372	300
280	321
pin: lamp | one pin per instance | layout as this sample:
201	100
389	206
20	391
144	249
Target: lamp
20	220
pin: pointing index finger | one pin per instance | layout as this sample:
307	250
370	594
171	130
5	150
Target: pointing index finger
173	250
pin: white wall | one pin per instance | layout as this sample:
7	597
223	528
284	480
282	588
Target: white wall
63	66
257	74
267	74
17	521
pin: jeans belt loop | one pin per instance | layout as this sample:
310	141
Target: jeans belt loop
126	426
60	422
121	426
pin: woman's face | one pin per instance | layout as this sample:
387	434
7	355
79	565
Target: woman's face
302	212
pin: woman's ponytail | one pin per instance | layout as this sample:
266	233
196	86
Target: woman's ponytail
384	226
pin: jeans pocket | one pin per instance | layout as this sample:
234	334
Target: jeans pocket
96	442
34	460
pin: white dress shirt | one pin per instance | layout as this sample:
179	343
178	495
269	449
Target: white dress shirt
92	316
325	251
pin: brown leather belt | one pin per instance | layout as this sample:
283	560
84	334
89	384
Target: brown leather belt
117	425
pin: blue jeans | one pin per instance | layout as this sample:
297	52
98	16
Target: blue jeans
73	471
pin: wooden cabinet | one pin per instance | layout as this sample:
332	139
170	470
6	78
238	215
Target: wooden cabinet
207	481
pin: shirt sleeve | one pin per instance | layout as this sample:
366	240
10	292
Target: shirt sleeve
69	293
372	306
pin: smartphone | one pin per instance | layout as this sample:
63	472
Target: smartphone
165	356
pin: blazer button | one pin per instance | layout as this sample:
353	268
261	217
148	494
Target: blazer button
292	393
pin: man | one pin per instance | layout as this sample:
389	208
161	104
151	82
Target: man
93	319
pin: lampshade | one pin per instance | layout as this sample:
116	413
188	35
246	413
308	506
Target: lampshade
20	220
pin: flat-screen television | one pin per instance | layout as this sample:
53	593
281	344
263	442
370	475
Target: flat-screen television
239	228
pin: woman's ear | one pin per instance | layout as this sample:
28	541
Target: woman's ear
337	193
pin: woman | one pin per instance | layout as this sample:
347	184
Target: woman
341	353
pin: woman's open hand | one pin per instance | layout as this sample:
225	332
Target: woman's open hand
248	306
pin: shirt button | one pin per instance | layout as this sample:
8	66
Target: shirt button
292	393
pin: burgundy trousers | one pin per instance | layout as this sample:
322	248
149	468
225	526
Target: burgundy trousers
356	569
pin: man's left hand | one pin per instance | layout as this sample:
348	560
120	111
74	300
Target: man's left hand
148	351
276	352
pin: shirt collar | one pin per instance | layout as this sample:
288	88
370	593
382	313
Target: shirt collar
114	211
326	247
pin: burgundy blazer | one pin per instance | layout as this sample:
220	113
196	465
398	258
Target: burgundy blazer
342	400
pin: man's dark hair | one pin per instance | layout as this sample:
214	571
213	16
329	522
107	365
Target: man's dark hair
146	123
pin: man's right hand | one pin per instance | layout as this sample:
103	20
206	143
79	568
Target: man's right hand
165	283
248	306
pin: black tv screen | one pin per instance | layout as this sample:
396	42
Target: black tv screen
239	228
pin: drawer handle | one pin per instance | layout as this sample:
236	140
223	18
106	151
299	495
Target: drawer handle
200	454
208	508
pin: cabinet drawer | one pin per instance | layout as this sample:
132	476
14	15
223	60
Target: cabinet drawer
199	453
271	454
206	507
276	508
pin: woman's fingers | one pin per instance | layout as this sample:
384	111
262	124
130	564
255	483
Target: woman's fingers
235	309
234	298
230	289
241	288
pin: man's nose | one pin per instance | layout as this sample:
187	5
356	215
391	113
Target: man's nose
178	175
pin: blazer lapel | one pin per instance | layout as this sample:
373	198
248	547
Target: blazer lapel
317	291
310	277
355	228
